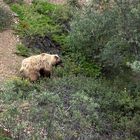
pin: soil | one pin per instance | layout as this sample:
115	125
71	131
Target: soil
9	61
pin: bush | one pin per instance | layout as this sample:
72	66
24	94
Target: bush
69	108
75	65
13	1
73	3
22	50
4	135
5	19
107	33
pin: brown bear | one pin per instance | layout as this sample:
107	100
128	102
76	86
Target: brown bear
39	65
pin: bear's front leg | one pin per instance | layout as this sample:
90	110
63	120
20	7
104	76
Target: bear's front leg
45	73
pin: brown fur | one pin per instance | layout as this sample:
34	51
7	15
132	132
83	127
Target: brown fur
39	65
45	73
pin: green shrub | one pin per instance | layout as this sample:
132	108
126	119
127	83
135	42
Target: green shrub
74	65
133	126
13	1
108	33
73	3
5	19
22	50
4	138
69	107
4	135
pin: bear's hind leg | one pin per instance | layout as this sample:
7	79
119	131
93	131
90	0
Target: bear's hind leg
34	76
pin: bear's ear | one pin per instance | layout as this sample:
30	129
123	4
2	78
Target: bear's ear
43	54
56	57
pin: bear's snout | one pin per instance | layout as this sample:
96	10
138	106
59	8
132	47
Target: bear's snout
59	63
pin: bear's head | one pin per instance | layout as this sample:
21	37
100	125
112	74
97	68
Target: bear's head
52	59
56	60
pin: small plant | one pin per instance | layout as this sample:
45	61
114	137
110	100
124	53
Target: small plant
22	50
73	3
135	66
4	134
13	1
4	138
5	19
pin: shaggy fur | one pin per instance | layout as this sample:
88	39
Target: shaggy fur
39	65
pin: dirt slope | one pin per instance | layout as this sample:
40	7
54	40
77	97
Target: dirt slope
9	61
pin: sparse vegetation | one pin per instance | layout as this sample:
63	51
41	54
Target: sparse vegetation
13	1
5	19
22	50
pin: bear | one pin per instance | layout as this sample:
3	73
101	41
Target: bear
36	66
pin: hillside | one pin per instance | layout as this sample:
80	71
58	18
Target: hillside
95	95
